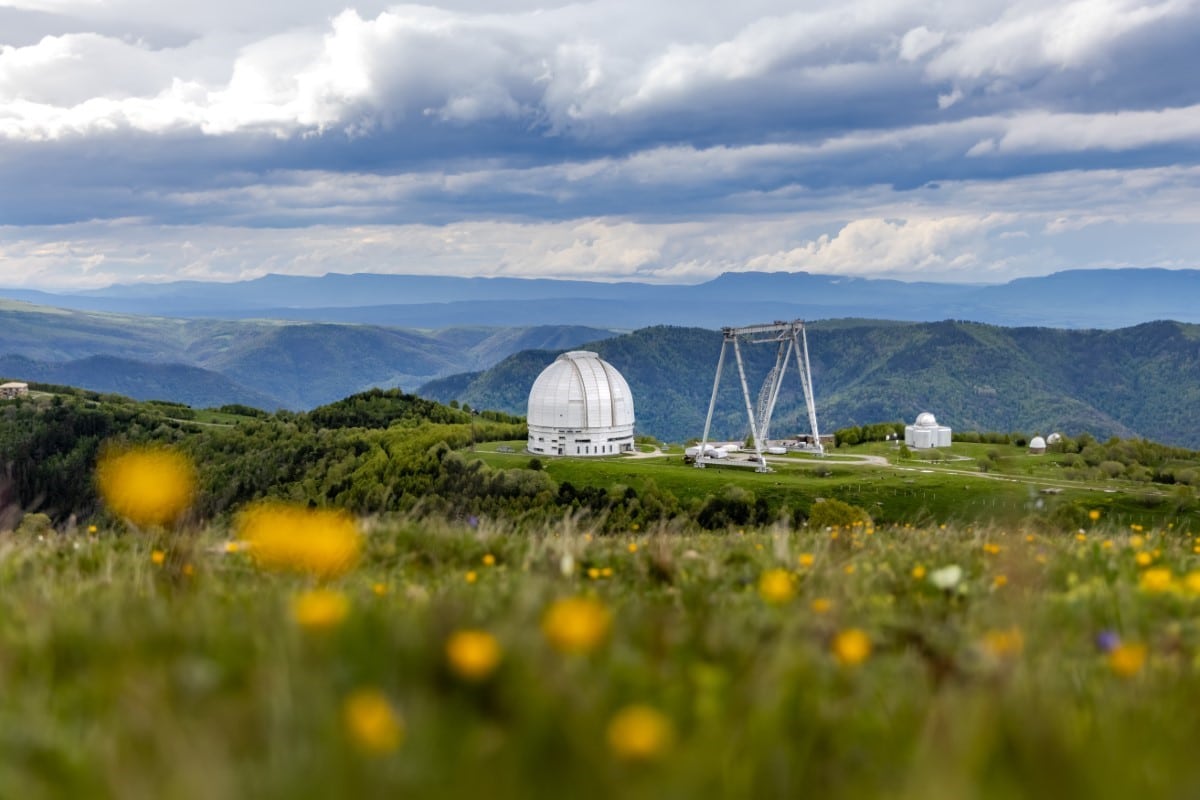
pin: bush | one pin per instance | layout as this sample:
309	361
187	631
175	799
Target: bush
830	513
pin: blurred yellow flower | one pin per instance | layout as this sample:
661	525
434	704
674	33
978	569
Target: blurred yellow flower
1003	643
640	733
231	547
1143	559
991	549
1094	514
158	557
320	609
593	572
849	569
189	570
918	572
1081	537
776	586
148	485
472	576
851	647
576	624
1192	582
1155	580
373	725
473	655
821	605
806	559
1137	542
1000	581
489	560
1127	660
607	572
320	542
380	589
91	529
633	548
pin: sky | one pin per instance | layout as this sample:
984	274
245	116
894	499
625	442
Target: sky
607	140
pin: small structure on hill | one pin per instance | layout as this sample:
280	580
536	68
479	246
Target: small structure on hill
926	433
580	406
13	390
1054	438
1037	446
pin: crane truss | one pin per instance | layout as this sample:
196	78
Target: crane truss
791	341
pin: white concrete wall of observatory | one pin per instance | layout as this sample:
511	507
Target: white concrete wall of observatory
923	438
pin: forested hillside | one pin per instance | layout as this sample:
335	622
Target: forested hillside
265	363
1140	381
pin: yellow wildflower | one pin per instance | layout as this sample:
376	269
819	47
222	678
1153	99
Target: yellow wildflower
593	573
92	529
606	572
849	569
231	547
189	570
380	589
1094	514
1081	537
1127	660
1137	542
991	549
851	647
373	725
1000	581
776	586
576	624
807	559
158	557
640	733
148	486
1155	581
1003	643
633	547
821	605
489	560
1143	559
473	655
321	542
320	609
918	572
471	576
1192	582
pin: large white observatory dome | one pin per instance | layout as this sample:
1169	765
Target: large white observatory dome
580	406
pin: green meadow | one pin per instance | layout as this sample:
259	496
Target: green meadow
998	663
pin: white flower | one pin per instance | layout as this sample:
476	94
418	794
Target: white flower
946	577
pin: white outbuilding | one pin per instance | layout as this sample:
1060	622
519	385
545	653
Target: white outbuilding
580	406
1037	446
926	433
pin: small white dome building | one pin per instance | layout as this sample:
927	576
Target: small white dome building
1037	445
926	433
580	406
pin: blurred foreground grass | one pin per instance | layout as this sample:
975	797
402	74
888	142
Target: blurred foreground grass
979	663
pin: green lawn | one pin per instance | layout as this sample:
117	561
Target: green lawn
915	491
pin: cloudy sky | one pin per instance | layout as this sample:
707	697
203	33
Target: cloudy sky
143	140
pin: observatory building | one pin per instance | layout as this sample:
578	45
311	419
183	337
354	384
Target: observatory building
926	433
580	406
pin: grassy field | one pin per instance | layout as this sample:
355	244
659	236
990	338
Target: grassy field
899	662
954	491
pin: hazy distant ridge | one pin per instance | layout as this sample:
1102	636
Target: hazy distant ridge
1074	299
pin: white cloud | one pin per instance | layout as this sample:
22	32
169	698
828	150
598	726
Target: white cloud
918	42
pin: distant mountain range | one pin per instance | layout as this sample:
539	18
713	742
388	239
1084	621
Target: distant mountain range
1137	381
1073	299
269	365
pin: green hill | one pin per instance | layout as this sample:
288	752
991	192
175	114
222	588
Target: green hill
1139	381
268	363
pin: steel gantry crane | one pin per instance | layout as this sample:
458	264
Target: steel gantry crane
792	341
